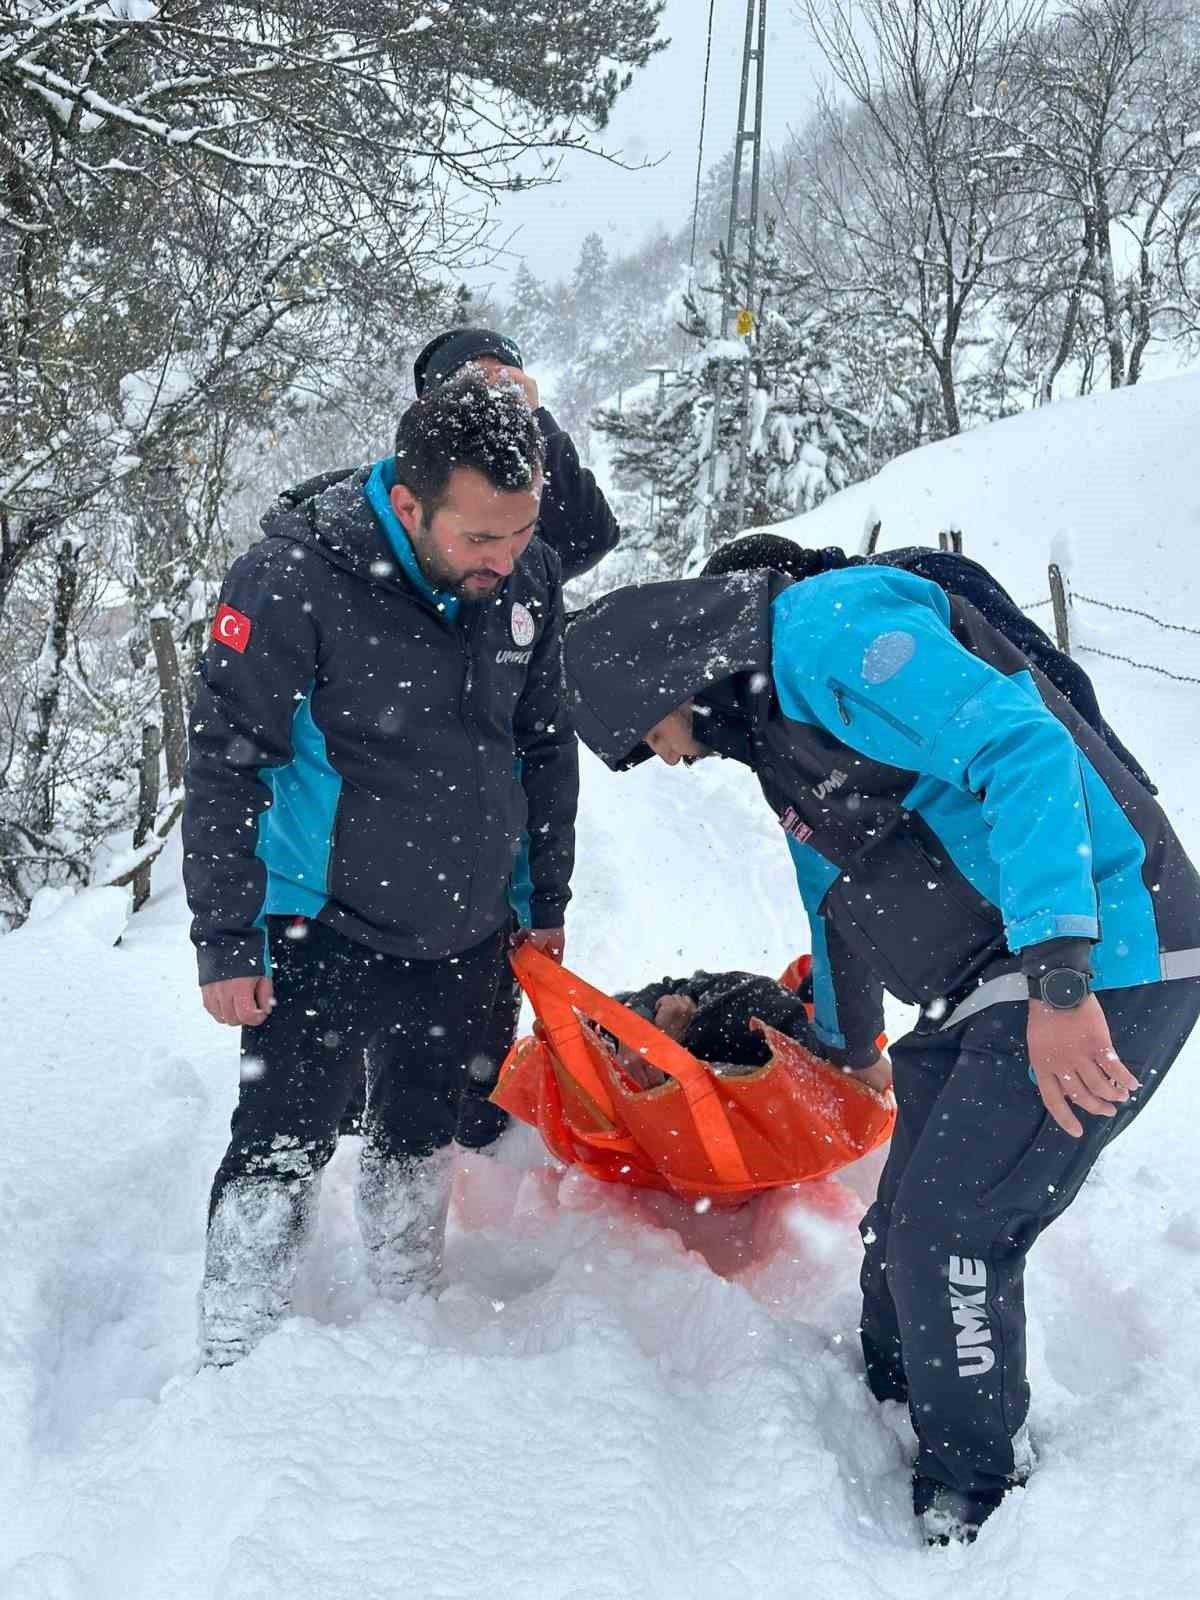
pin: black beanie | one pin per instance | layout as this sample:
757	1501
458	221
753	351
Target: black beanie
443	356
773	550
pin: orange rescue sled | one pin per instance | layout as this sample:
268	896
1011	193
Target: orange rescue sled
701	1135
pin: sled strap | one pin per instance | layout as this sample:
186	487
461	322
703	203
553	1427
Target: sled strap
556	993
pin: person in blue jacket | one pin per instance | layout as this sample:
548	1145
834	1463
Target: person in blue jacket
379	664
963	838
955	573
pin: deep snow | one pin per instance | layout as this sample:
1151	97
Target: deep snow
614	1396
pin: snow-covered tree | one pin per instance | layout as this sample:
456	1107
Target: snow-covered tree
191	194
213	221
911	208
1109	138
529	315
802	441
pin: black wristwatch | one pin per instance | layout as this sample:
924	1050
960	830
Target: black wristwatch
1064	989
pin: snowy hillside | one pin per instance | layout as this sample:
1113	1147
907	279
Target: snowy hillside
1105	486
614	1397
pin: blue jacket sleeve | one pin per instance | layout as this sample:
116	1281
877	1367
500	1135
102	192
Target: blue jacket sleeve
873	662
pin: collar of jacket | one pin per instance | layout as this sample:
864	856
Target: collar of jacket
377	492
732	716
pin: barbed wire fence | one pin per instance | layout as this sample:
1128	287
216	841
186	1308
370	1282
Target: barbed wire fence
1062	597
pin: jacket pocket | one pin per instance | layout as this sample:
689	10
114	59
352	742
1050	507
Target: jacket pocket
849	703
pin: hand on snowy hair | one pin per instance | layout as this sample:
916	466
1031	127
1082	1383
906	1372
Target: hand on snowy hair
551	942
1074	1061
239	1002
495	371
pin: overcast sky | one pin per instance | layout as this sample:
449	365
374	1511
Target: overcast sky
658	119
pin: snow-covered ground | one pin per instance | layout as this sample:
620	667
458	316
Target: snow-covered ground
614	1396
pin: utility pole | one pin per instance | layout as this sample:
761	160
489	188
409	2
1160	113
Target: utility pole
753	64
655	492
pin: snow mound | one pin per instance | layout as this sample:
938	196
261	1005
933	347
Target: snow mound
1099	484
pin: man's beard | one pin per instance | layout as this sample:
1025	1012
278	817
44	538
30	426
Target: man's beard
454	583
459	587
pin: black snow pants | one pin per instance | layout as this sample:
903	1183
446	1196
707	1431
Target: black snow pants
414	1029
480	1123
977	1169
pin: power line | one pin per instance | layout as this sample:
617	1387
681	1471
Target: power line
712	6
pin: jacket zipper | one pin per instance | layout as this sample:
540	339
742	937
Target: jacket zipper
841	694
468	639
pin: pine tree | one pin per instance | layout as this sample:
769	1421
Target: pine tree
529	315
803	441
589	291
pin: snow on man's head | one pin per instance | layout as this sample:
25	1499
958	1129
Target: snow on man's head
468	423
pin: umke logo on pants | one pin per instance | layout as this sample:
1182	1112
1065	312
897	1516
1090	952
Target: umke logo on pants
968	1307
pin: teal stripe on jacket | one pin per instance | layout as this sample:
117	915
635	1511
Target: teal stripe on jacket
814	875
295	833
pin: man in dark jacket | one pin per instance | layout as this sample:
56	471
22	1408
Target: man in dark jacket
962	837
379	662
574	519
577	524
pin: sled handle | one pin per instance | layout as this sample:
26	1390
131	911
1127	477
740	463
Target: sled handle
555	991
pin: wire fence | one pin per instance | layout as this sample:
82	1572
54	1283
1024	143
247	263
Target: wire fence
1076	598
1143	666
1132	611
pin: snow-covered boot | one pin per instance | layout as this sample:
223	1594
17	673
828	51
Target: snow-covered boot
1024	1457
401	1203
255	1239
950	1516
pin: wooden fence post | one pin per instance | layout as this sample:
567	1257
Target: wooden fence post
148	782
1058	595
170	694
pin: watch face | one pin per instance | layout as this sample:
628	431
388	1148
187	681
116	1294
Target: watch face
1064	990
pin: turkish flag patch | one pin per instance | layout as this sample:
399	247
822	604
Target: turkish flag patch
231	628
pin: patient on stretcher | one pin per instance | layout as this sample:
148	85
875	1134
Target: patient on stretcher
711	1013
745	1112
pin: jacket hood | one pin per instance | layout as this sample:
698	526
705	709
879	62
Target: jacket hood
639	652
331	515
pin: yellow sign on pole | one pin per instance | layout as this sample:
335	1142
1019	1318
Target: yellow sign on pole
745	322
